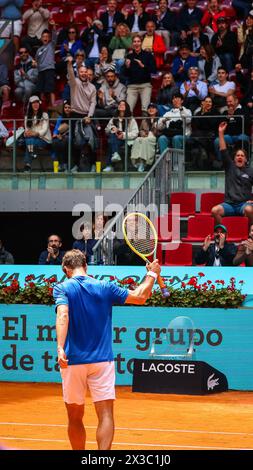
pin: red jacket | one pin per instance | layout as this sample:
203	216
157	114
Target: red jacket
159	49
211	20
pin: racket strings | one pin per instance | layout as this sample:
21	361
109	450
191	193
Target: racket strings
140	235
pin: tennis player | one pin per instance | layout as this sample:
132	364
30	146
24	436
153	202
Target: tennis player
84	340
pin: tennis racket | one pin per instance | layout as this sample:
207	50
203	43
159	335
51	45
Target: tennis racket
140	235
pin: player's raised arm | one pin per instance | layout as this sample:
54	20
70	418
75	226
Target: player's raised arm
143	291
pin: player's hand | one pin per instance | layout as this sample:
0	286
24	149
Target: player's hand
62	358
154	266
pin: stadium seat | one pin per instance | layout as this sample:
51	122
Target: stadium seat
237	227
199	227
176	7
101	9
151	8
61	16
180	256
187	203
128	7
79	14
159	253
165	229
209	200
202	4
12	111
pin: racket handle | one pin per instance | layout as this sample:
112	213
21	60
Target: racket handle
164	290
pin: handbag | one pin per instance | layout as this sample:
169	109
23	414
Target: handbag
81	138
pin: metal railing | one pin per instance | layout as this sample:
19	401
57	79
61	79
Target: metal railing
166	175
16	152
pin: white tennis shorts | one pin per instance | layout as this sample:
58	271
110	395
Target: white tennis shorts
99	377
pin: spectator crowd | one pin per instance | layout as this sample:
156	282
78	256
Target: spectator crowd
132	78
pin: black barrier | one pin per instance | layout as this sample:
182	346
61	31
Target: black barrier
180	377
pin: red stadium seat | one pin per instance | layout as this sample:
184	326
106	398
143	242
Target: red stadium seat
202	4
199	227
187	203
61	16
12	111
101	9
176	7
237	227
168	227
180	256
79	14
209	200
159	253
151	8
128	7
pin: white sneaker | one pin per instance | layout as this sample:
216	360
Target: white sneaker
108	168
116	157
74	169
141	167
93	169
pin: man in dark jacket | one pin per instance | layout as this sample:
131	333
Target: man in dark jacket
53	254
238	183
139	65
110	19
219	253
187	15
137	20
224	43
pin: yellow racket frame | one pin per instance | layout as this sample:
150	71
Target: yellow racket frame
160	281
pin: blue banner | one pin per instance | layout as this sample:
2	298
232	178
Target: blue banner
174	275
223	339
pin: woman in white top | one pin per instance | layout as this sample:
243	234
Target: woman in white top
119	129
37	132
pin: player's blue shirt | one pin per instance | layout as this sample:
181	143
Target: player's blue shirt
89	337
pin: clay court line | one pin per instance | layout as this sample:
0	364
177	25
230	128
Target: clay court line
138	429
136	444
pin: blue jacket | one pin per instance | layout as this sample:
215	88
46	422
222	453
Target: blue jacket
11	10
177	62
74	48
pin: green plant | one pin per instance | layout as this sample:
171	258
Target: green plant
190	294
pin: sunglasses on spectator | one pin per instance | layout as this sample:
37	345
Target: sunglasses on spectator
71	32
23	52
79	55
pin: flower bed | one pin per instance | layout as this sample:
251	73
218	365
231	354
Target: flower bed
193	293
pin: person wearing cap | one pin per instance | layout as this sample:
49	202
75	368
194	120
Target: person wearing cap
144	147
216	251
224	43
213	12
238	182
196	38
37	131
175	125
188	13
109	95
245	41
244	252
182	62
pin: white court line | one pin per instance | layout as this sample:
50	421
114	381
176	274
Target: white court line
136	444
140	429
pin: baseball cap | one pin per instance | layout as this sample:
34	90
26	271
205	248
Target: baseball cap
222	19
34	98
222	227
152	105
250	13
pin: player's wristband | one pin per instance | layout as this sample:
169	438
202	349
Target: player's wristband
152	274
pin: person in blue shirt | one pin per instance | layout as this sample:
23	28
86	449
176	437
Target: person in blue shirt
84	343
53	254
